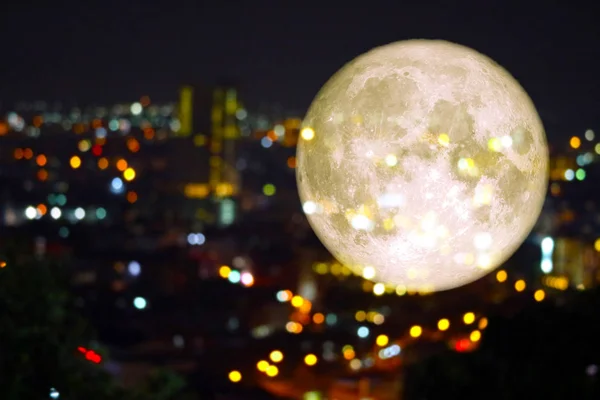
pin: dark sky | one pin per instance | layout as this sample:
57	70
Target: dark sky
283	51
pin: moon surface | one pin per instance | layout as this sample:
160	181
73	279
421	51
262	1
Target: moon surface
422	164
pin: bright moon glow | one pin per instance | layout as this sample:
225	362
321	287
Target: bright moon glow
422	164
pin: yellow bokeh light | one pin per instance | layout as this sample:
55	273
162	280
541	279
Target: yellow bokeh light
379	289
360	316
310	360
307	133
382	340
501	276
235	376
391	160
469	318
575	142
443	324
495	144
272	371
444	140
520	285
224	271
262	365
378	319
475	336
129	174
276	356
297	301
75	162
368	272
416	331
349	354
597	245
539	295
355	364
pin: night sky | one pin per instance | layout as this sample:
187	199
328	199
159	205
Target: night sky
283	51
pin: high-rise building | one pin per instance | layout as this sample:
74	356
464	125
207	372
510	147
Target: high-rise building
224	179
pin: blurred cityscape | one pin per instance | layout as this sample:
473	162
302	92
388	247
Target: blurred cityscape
188	248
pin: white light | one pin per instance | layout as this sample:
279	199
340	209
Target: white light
140	303
379	289
196	239
369	272
362	332
55	212
134	268
362	222
136	109
547	245
569	174
546	265
309	207
54	394
390	200
79	213
247	279
589	135
282	296
506	141
389	352
482	241
279	130
30	212
391	160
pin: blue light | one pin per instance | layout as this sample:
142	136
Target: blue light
116	186
266	142
362	332
101	133
134	268
234	276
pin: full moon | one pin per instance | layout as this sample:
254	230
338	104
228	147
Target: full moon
422	163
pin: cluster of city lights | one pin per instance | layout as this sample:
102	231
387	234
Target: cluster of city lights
385	349
235	276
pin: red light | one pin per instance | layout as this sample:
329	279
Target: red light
93	357
97	150
90	355
462	345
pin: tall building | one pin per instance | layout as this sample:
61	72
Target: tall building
224	179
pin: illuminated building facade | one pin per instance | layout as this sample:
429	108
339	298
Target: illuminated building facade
224	179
